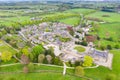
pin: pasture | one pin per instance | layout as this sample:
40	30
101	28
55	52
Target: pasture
105	16
40	73
81	11
71	21
101	73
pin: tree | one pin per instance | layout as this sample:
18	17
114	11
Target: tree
117	46
6	56
109	47
25	51
24	59
41	57
36	50
31	67
25	69
79	71
49	59
88	61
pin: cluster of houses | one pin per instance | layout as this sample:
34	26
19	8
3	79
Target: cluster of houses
45	32
48	32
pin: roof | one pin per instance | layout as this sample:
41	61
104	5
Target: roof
100	53
90	38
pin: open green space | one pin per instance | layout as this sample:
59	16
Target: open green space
71	21
79	48
105	16
40	73
100	73
4	47
109	30
81	11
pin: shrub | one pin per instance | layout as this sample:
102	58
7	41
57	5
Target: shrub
79	71
117	46
41	58
88	61
109	47
110	39
84	43
105	15
102	47
25	69
31	67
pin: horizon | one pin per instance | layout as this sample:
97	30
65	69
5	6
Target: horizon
55	0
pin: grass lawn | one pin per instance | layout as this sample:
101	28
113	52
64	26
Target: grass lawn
100	73
42	75
71	21
4	47
79	49
81	10
109	30
39	76
113	17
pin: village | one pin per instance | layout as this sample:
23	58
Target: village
57	35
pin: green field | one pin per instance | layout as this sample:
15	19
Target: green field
109	30
40	73
112	17
100	73
71	21
5	47
81	11
79	48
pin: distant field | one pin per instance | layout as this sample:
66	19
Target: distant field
81	11
71	21
113	30
109	30
111	17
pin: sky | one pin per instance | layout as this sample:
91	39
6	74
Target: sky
59	0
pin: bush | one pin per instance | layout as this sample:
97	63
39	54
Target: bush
12	78
109	47
79	71
25	69
68	64
117	46
110	39
111	77
41	58
84	43
31	67
102	47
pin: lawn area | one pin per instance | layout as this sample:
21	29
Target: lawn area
109	30
52	73
79	48
71	21
112	17
38	76
81	11
4	47
100	73
112	29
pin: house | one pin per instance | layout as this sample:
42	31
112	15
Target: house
90	38
101	56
